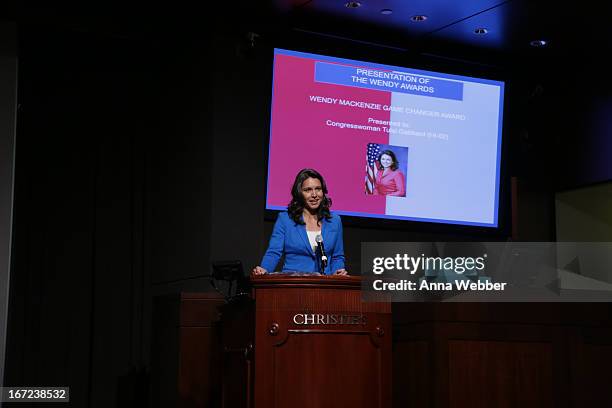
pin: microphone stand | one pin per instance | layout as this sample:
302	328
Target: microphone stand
322	257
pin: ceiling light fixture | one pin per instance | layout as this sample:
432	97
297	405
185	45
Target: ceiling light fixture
418	18
352	4
481	31
386	12
538	43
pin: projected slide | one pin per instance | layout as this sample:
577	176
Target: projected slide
391	142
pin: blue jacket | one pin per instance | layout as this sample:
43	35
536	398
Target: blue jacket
290	239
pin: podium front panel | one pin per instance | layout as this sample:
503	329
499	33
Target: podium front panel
318	345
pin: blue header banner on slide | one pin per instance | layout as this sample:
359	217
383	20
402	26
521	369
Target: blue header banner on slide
389	81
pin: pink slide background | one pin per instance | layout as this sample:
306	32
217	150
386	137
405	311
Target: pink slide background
300	138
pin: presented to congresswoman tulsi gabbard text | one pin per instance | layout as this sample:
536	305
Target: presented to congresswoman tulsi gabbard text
486	271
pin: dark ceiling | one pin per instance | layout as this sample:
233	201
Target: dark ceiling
575	30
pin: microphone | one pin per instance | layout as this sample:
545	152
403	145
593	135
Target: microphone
319	241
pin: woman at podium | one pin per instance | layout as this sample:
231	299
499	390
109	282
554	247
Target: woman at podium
307	234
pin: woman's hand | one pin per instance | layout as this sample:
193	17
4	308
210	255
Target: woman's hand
341	272
258	270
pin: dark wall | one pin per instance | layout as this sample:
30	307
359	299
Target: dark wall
563	140
581	100
112	206
8	109
241	83
74	294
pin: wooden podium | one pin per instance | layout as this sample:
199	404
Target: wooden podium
306	341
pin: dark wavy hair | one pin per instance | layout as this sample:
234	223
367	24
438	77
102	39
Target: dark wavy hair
297	204
389	153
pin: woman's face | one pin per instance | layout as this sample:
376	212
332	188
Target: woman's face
386	161
312	192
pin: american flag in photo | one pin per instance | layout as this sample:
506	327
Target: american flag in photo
371	167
